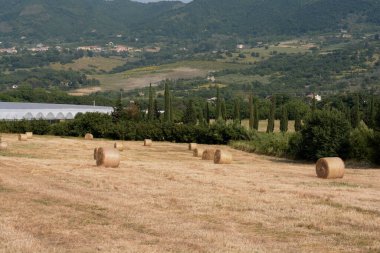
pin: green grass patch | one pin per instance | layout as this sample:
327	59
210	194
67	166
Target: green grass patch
91	64
243	79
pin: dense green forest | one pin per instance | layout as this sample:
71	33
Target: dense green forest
98	20
71	20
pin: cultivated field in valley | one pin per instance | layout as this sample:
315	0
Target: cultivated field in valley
161	199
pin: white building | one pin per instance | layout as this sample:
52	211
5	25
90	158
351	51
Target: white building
29	111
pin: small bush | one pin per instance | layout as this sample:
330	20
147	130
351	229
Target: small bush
360	139
274	144
325	133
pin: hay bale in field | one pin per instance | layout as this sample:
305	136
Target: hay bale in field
208	154
108	157
192	146
22	137
3	145
198	152
119	146
148	142
222	157
88	136
95	153
29	135
330	167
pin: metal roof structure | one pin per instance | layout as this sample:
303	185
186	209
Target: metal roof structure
29	111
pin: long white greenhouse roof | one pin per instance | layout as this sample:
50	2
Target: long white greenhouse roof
18	111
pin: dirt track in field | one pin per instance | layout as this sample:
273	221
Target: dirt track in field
161	199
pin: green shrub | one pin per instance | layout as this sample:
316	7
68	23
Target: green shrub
375	150
274	144
325	133
360	139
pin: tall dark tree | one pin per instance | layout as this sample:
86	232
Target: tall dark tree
251	112
150	104
157	113
200	116
256	119
377	119
223	110
371	115
270	126
237	118
313	104
356	113
190	115
218	109
207	113
284	120
167	103
118	111
297	121
171	114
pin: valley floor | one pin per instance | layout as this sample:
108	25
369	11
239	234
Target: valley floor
161	199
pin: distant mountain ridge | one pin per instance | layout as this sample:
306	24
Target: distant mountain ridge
265	17
73	20
70	20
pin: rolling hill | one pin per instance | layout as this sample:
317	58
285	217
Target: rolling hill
75	20
71	20
270	17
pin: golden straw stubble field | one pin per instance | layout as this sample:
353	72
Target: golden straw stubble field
163	199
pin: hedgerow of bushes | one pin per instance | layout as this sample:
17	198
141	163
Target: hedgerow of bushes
324	134
102	126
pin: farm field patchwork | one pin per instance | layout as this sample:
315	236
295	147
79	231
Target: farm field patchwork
162	199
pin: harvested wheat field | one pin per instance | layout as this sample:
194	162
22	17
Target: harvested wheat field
162	199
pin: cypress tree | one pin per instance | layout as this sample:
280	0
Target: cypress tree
251	113
297	121
207	113
377	118
201	118
223	110
313	104
256	119
156	110
218	109
270	126
190	116
167	103
150	105
171	114
118	109
284	120
237	111
371	113
348	115
355	113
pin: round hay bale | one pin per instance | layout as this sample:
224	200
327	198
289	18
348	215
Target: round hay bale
222	157
88	137
198	152
192	146
95	153
108	157
208	154
119	146
29	135
330	167
22	137
148	142
3	145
